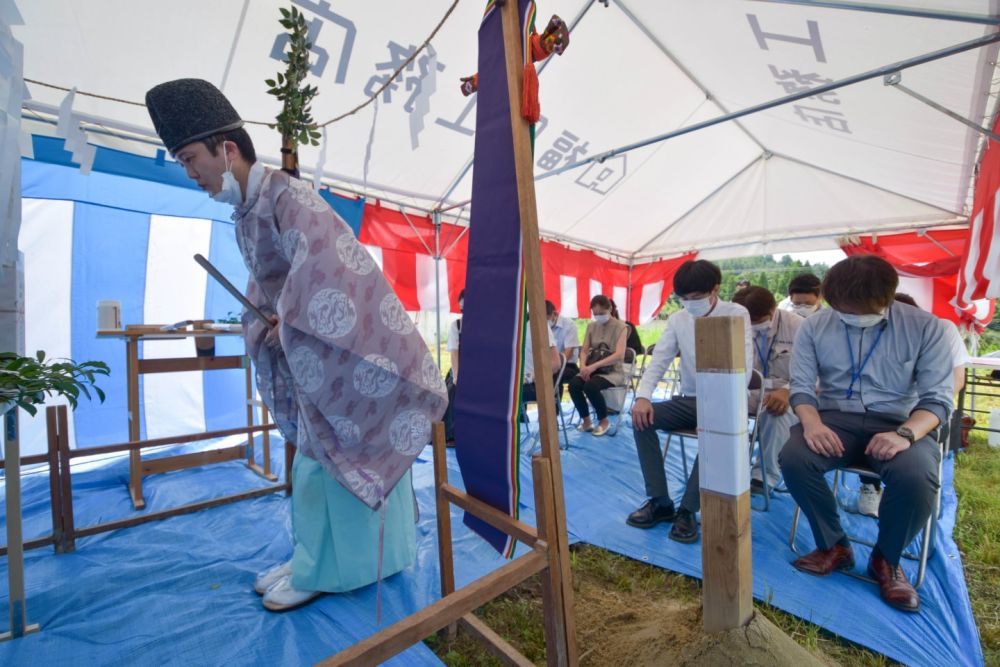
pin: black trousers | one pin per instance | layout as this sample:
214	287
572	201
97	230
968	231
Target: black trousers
581	392
911	480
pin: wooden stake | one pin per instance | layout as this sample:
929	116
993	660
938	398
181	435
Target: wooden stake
67	543
727	591
531	253
55	485
446	559
134	457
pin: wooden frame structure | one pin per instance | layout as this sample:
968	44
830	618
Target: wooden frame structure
549	555
59	455
136	366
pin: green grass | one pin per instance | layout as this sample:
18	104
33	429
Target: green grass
600	575
977	533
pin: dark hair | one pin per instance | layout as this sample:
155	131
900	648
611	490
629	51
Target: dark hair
903	297
549	308
239	137
863	282
694	276
804	283
602	301
758	301
614	310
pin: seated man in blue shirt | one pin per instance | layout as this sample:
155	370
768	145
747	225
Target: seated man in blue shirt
885	385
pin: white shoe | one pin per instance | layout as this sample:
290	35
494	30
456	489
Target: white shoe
868	500
584	428
600	430
282	596
269	577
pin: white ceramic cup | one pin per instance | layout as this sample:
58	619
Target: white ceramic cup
109	315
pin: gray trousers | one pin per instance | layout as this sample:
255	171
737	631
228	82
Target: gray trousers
911	480
773	431
680	412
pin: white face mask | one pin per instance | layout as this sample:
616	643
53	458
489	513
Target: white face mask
602	319
697	307
230	192
762	327
861	321
804	309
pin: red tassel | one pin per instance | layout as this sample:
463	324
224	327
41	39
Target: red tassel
531	110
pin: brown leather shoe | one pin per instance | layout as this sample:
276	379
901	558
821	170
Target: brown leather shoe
896	589
822	562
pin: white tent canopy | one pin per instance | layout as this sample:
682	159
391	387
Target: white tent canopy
864	158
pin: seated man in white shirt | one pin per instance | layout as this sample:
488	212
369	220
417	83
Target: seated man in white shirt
773	338
567	341
553	362
805	296
696	284
451	381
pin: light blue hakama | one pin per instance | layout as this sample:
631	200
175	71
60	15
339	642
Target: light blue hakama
337	536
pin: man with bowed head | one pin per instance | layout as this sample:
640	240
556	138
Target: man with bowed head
342	367
884	375
696	284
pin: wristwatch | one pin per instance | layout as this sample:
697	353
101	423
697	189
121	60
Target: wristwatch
905	432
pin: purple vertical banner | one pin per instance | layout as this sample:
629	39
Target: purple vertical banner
487	436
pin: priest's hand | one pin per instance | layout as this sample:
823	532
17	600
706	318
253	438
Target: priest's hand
272	339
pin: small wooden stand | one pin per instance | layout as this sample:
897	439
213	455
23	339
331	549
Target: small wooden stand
135	367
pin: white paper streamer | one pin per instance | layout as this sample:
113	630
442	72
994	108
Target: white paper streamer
65	123
320	164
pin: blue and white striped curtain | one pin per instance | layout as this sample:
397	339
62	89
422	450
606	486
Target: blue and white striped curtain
101	236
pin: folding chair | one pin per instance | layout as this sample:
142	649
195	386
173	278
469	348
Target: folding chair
926	544
533	436
617	397
756	384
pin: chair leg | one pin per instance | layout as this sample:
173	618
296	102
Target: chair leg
794	530
684	458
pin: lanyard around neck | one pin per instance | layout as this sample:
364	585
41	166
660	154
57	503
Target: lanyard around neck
856	371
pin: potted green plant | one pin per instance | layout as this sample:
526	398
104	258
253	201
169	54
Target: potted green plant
27	382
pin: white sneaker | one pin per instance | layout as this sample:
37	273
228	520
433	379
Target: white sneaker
269	577
868	500
282	596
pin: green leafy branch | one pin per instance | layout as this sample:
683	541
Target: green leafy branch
28	381
295	120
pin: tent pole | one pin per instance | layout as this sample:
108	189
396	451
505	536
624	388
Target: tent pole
436	219
894	81
794	97
893	10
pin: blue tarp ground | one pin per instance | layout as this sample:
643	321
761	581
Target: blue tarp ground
179	590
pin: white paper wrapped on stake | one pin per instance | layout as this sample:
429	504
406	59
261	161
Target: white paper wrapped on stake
320	164
724	465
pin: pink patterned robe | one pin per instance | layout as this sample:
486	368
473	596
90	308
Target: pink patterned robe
353	385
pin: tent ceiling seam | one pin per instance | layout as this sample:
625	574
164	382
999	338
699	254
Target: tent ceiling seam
784	156
685	71
724	185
